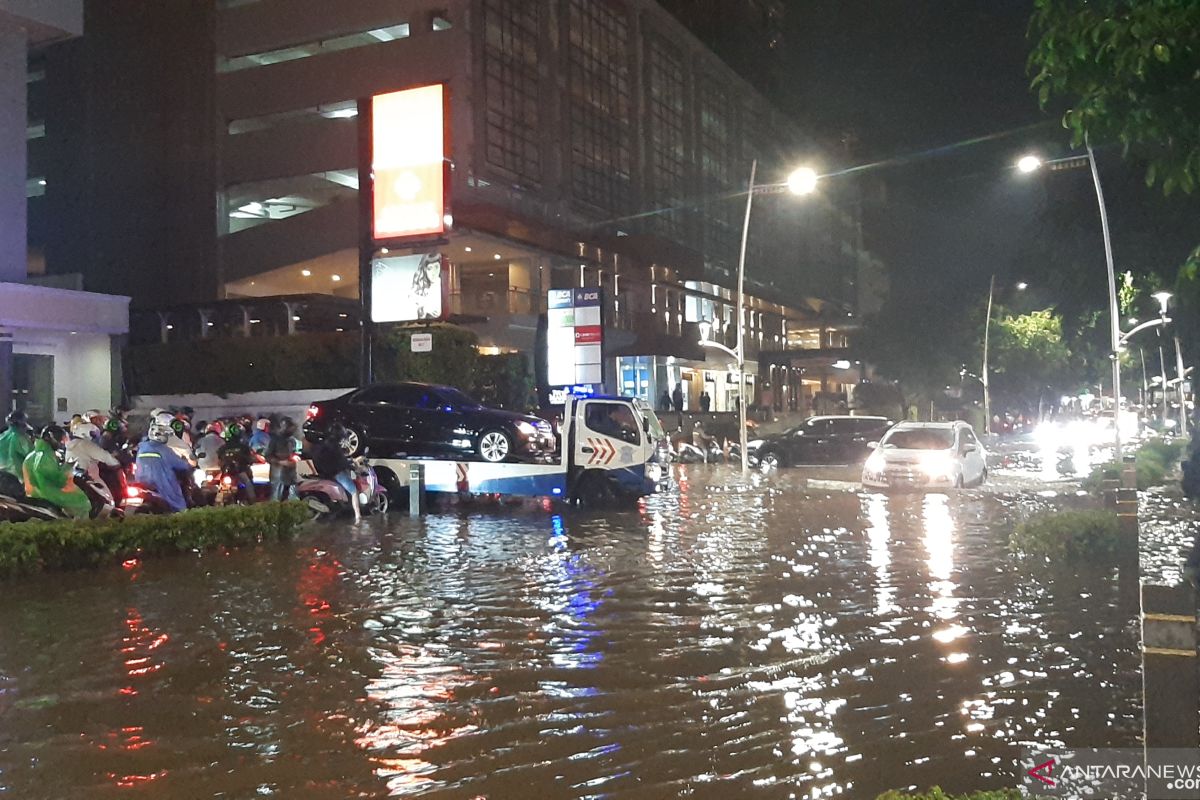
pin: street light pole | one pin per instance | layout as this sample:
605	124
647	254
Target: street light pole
1183	420
740	350
986	379
1115	321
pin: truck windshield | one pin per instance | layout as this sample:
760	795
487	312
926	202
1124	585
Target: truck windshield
656	431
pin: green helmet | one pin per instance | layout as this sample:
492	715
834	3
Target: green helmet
232	432
112	425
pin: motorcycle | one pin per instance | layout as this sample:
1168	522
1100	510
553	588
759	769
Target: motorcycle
326	496
26	508
141	499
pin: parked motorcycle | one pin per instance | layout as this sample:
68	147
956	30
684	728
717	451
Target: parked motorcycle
325	496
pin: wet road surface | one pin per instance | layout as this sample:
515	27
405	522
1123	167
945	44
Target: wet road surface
726	639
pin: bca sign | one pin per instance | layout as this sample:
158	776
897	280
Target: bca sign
421	342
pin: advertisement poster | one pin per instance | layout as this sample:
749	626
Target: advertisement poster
408	140
406	288
574	337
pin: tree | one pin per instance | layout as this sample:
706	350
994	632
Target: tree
1129	70
1030	359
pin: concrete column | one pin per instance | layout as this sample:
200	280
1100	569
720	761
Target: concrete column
6	374
13	161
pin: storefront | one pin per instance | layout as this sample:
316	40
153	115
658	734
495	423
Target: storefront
648	377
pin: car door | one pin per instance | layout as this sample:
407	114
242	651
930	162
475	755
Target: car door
610	436
438	423
371	413
972	455
812	443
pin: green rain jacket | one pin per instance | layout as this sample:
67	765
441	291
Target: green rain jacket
46	479
14	446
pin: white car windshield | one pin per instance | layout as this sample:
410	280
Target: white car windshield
920	439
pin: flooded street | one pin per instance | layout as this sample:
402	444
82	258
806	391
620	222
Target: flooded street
723	640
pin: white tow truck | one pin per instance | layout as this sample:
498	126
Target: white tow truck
610	451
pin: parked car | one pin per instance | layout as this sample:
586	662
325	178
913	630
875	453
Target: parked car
419	419
926	455
821	440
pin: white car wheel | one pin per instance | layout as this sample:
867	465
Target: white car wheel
494	446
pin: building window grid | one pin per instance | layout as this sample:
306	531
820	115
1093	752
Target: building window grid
716	140
601	153
513	97
667	130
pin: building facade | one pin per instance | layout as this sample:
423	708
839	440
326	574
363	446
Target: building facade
59	348
592	143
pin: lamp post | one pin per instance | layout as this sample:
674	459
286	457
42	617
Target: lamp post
1179	372
800	182
1030	163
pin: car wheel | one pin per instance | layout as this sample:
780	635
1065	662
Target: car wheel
770	460
596	492
495	446
354	443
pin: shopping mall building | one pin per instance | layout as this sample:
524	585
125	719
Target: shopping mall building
210	152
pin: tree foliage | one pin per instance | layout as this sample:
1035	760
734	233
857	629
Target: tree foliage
1031	358
1128	72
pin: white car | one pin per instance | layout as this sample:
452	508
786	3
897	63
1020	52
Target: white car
926	455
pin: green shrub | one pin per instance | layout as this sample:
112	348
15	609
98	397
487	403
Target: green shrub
31	546
1152	462
1068	535
937	794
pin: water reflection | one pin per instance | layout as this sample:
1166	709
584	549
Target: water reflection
734	639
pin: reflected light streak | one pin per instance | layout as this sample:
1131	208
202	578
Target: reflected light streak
879	536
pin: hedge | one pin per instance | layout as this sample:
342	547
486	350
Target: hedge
1068	535
937	794
1152	462
31	546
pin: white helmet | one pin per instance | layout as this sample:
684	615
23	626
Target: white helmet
163	418
159	433
84	430
262	424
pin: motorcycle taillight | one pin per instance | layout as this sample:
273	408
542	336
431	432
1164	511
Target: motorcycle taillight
132	492
312	412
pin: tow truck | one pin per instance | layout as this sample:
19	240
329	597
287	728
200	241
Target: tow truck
611	451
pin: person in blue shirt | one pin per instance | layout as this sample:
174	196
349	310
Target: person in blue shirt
261	436
158	467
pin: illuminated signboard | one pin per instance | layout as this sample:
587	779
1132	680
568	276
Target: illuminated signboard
406	288
574	338
408	140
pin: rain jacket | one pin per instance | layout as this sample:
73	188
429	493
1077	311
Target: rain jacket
206	451
259	442
14	446
88	456
158	467
46	479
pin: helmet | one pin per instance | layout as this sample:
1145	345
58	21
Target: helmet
178	426
112	425
217	427
92	414
163	418
158	432
54	435
233	433
17	419
286	424
84	429
262	424
155	413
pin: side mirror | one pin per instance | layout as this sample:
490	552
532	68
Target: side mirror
969	448
872	445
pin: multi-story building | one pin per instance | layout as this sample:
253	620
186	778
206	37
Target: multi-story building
213	162
59	349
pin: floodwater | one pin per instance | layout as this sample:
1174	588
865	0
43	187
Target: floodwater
723	640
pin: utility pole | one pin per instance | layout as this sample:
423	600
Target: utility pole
985	378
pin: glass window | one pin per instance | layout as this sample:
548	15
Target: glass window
920	439
512	87
613	419
308	49
599	109
667	122
376	395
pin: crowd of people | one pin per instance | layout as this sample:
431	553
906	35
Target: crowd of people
161	454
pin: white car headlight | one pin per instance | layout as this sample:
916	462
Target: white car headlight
876	463
526	428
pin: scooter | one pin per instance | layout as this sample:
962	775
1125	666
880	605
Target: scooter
30	508
325	496
141	499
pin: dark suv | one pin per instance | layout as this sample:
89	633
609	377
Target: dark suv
419	419
823	440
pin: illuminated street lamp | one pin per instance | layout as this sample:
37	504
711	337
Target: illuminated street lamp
1031	163
801	181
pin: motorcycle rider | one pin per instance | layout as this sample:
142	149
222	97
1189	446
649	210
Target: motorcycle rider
15	443
332	464
209	445
281	454
83	451
48	479
181	448
160	468
236	458
261	436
